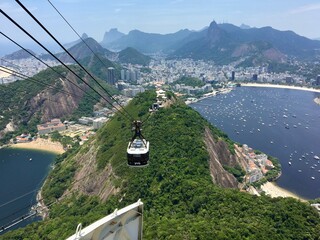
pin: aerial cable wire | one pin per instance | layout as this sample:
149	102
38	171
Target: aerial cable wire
26	216
45	99
31	79
30	205
51	53
17	198
6	36
27	33
39	82
96	55
12	64
49	33
29	215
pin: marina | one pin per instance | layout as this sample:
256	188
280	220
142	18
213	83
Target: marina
283	123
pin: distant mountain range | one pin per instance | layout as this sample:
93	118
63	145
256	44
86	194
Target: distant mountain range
80	51
222	43
143	42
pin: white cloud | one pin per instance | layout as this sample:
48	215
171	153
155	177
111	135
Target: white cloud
117	10
306	8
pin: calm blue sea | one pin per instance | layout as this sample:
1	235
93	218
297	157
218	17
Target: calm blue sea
22	173
283	123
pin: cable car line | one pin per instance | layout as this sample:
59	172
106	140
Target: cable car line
138	148
142	145
26	216
17	221
15	65
49	33
31	79
39	59
27	33
96	55
17	198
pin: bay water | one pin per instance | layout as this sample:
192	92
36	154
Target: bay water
283	123
22	173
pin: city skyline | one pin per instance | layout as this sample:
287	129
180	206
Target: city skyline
168	16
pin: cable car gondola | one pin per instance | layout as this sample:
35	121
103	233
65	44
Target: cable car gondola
138	148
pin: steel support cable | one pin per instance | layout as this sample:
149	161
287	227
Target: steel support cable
15	65
47	99
31	79
46	65
51	203
28	79
147	118
49	33
17	198
96	55
15	212
26	216
77	75
17	221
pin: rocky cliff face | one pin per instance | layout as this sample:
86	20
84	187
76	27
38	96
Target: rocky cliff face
52	104
88	180
219	156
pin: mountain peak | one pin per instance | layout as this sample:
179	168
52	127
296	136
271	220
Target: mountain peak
213	24
215	33
20	54
84	36
111	36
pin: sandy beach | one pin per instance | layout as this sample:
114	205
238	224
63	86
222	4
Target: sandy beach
279	86
272	189
41	144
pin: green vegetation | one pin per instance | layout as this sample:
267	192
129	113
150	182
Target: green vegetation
66	141
181	202
18	105
15	102
61	177
281	67
190	81
274	173
98	68
131	55
236	171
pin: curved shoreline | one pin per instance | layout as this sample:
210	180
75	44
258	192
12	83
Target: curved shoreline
41	145
272	189
268	85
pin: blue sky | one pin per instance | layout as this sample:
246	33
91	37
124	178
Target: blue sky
159	16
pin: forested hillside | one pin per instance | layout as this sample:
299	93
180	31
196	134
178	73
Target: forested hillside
180	199
45	96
